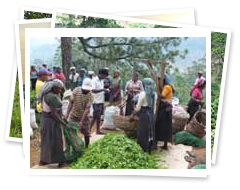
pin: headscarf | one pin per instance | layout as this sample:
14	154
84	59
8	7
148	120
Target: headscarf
150	91
48	86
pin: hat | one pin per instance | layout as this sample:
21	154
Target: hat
72	68
82	69
91	72
43	71
200	72
87	84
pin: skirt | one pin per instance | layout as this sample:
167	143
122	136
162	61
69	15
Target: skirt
145	131
163	125
51	140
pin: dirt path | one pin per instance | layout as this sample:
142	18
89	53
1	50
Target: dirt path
173	158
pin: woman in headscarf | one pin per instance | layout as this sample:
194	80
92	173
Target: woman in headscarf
51	133
195	102
132	89
163	123
145	108
115	88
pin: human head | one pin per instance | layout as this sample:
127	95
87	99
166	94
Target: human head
199	74
90	74
43	74
73	70
58	70
102	73
148	84
134	77
44	66
116	73
86	86
82	72
33	68
56	86
54	68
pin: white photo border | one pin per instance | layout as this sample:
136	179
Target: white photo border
113	32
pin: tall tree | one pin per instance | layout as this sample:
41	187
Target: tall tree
66	50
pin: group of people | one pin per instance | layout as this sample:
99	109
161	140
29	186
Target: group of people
93	91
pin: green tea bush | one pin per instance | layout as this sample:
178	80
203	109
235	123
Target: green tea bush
200	166
115	151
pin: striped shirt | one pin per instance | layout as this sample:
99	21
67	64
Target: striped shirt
80	102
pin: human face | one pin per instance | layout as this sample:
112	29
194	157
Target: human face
73	71
134	77
57	90
116	74
101	76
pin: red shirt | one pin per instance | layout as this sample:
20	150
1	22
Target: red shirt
60	76
196	93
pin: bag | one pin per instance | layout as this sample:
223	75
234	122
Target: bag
74	146
33	123
108	120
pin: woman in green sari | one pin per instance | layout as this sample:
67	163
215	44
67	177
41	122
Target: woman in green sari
51	133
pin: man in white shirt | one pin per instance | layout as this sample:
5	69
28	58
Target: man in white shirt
73	78
98	98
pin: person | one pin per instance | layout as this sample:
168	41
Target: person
42	77
51	133
132	89
73	78
59	75
81	77
195	103
145	108
163	124
45	66
106	84
199	81
79	107
115	87
54	72
90	74
34	77
98	98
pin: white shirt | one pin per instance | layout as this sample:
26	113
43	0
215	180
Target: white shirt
97	84
142	101
73	77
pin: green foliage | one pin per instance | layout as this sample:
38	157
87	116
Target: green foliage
183	137
33	99
162	26
36	15
115	152
16	126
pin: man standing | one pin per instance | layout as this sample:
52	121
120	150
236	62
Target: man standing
81	77
79	108
98	98
73	78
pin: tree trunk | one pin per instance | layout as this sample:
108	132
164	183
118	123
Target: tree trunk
66	48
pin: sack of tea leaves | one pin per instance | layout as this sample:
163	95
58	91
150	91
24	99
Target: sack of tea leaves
186	138
200	166
74	144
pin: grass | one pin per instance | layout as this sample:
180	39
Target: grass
16	125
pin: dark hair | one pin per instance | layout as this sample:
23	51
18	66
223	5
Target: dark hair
103	72
44	65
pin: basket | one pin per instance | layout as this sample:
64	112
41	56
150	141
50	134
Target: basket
124	123
197	125
178	123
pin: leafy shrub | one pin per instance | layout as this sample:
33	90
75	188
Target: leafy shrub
16	125
115	152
